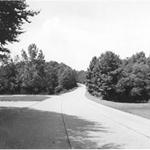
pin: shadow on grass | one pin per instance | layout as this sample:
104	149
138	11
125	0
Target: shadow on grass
22	128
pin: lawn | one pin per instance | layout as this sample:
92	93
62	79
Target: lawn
141	109
23	97
28	129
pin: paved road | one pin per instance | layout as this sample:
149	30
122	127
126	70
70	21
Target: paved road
91	125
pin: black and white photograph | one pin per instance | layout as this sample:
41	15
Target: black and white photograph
74	74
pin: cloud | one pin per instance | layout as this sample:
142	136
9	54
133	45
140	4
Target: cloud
63	40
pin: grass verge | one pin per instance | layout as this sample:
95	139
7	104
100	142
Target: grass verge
141	109
28	129
23	98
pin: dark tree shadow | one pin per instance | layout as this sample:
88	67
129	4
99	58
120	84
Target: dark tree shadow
23	128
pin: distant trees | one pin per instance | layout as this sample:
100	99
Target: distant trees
80	76
114	79
30	74
67	79
51	70
13	14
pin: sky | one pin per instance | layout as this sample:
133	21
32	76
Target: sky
73	31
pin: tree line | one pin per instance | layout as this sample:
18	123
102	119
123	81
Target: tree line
123	80
31	74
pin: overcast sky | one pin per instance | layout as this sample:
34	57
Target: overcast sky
73	31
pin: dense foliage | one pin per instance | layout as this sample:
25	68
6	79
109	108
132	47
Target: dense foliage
114	79
31	74
80	76
13	14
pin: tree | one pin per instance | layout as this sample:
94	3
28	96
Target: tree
126	80
32	71
137	58
8	82
51	71
90	76
80	76
134	84
67	79
59	77
101	76
13	14
109	61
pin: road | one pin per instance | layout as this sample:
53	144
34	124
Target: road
87	124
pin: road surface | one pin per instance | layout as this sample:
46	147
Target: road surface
87	124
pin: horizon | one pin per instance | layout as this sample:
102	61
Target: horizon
73	32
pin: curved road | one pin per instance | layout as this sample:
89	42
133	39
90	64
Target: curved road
86	124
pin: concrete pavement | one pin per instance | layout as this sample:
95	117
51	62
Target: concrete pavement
92	125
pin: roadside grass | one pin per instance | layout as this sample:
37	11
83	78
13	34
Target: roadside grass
27	128
141	109
23	97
